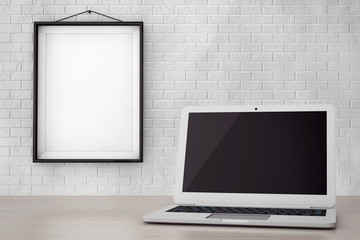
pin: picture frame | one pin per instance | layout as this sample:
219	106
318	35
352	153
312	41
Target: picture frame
88	92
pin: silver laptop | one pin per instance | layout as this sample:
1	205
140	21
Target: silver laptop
255	165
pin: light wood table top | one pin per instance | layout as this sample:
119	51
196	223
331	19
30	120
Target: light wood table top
57	218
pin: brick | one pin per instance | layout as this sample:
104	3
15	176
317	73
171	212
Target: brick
4	190
186	10
341	66
339	28
20	190
349	76
294	10
152	171
169	19
174	38
250	28
285	95
295	66
163	104
9	122
174	95
4	132
196	19
4	151
229	85
297	85
207	66
4	94
10	47
185	47
273	10
152	190
336	85
262	76
317	66
295	47
144	180
251	10
305	19
250	66
348	38
207	10
328	57
317	85
5	38
4	170
75	180
196	38
171	113
273	29
284	19
348	19
305	38
21	113
273	85
86	190
64	190
349	57
229	66
306	95
86	171
273	47
9	142
6	10
163	123
196	94
130	190
218	57
250	85
97	180
222	19
262	38
316	28
64	170
262	94
284	57
217	95
108	190
185	85
26	122
53	180
316	10
229	10
207	28
117	180
9	180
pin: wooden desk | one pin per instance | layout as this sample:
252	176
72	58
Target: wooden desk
56	218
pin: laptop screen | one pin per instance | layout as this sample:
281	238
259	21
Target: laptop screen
256	152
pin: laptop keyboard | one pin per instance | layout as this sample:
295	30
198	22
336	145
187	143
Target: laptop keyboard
240	210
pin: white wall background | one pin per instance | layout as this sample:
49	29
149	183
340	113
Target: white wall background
197	52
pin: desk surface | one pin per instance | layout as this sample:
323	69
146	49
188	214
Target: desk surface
57	218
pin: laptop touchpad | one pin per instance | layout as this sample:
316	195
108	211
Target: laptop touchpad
239	216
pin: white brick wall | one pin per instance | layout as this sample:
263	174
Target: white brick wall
197	52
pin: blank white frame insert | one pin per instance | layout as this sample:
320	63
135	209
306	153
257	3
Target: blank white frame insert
88	92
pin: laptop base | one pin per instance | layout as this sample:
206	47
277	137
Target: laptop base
162	216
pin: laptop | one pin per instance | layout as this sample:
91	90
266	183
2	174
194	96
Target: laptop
254	165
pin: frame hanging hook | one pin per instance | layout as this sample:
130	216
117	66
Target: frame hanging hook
89	12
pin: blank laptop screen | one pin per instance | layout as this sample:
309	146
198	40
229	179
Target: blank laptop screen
256	152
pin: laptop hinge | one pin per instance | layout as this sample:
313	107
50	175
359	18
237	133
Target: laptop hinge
251	206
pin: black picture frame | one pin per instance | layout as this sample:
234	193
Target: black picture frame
137	139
